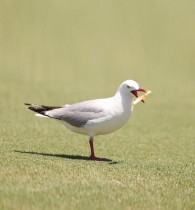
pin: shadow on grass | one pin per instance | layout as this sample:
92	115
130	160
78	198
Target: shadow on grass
73	157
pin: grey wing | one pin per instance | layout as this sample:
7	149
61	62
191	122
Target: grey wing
77	114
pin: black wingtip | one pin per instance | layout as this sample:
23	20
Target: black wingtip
27	104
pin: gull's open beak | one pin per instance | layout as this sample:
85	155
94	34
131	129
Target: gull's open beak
134	92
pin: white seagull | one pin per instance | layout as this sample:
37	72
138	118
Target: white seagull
94	117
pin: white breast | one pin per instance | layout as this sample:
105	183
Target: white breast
117	115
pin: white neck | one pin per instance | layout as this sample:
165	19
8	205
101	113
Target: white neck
124	100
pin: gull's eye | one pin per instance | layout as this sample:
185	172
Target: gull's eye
128	86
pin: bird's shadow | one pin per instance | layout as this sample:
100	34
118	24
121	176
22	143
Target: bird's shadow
73	157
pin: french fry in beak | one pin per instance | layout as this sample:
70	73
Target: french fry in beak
143	97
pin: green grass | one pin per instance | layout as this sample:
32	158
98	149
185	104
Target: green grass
57	52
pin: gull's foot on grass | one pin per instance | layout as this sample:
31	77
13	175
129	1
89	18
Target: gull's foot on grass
99	159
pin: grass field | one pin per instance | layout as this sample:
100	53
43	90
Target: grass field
57	52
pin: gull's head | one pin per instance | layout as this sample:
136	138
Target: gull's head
130	88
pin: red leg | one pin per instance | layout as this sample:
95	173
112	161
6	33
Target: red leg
93	157
92	148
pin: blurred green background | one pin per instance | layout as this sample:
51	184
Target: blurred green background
65	51
96	43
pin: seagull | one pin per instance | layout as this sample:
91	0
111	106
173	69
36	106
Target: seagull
94	117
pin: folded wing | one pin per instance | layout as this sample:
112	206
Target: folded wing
77	114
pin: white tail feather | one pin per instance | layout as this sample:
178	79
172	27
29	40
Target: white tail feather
40	115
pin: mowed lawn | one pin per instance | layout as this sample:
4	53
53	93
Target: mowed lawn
58	52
